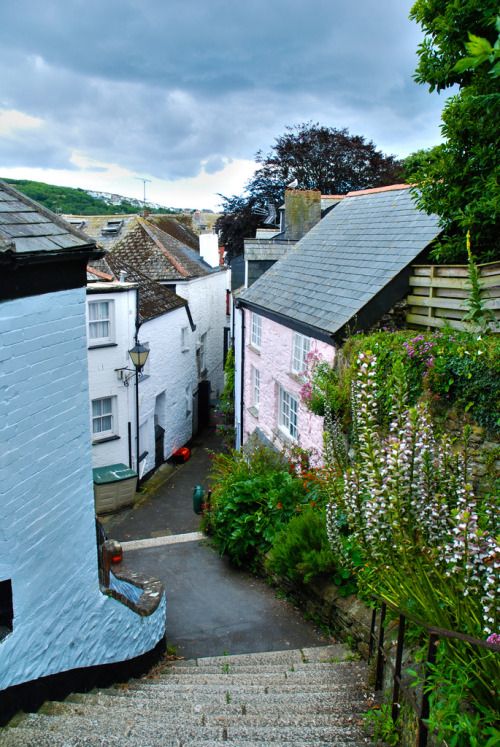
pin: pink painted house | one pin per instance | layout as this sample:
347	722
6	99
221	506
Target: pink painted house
274	365
345	274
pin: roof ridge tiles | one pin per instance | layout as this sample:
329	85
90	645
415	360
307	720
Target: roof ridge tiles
144	224
373	190
100	274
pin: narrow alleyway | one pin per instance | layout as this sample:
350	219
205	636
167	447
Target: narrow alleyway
212	607
255	671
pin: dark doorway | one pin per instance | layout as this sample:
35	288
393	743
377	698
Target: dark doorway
159	437
203	404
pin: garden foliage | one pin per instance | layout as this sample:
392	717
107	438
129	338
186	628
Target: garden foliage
430	546
458	179
225	412
453	368
252	499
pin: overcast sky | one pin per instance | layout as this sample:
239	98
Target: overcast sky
94	93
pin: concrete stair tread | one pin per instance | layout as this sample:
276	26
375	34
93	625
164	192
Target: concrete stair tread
313	654
308	668
237	733
263	699
94	740
330	704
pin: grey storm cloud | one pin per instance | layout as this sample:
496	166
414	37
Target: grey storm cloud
161	87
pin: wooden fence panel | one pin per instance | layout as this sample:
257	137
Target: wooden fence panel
438	294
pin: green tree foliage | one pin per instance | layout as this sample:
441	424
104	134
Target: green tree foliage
318	157
445	24
239	220
323	158
480	51
459	180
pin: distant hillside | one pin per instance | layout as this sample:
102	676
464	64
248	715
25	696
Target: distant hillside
73	201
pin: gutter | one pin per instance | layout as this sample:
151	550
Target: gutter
305	329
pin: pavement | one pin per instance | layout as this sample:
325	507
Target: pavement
213	607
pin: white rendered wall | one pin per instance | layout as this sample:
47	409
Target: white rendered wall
171	367
209	248
47	526
207	302
103	378
274	363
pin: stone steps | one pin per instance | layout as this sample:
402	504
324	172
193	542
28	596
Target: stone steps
295	698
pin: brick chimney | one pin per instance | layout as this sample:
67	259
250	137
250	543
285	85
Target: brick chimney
302	211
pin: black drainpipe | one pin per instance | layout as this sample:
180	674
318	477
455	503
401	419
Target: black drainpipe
137	325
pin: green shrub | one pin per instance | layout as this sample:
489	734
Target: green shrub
301	549
252	499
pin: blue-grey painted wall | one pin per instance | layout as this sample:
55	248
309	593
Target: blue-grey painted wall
47	525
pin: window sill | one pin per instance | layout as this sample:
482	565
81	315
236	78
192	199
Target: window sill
296	377
103	345
253	350
97	441
284	437
253	411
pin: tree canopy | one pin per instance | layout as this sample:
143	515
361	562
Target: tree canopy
317	157
445	24
459	179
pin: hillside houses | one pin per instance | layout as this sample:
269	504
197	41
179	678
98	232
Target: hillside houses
167	252
342	276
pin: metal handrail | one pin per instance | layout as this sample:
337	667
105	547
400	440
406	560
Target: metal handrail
422	710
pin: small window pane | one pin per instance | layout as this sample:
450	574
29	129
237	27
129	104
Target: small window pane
256	388
99	320
301	349
256	332
102	415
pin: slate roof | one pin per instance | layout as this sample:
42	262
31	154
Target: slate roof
173	227
351	267
96	225
26	226
143	244
154	299
93	225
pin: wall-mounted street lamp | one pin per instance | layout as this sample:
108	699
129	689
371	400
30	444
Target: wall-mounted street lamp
139	355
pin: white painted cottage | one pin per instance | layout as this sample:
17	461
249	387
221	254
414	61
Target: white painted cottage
167	252
141	432
57	623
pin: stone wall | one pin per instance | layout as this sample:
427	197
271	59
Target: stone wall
348	618
484	448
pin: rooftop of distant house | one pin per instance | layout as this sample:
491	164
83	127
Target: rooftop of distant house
349	266
28	227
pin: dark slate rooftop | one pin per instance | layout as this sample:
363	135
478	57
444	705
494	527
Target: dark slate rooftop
26	226
154	299
358	250
154	252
